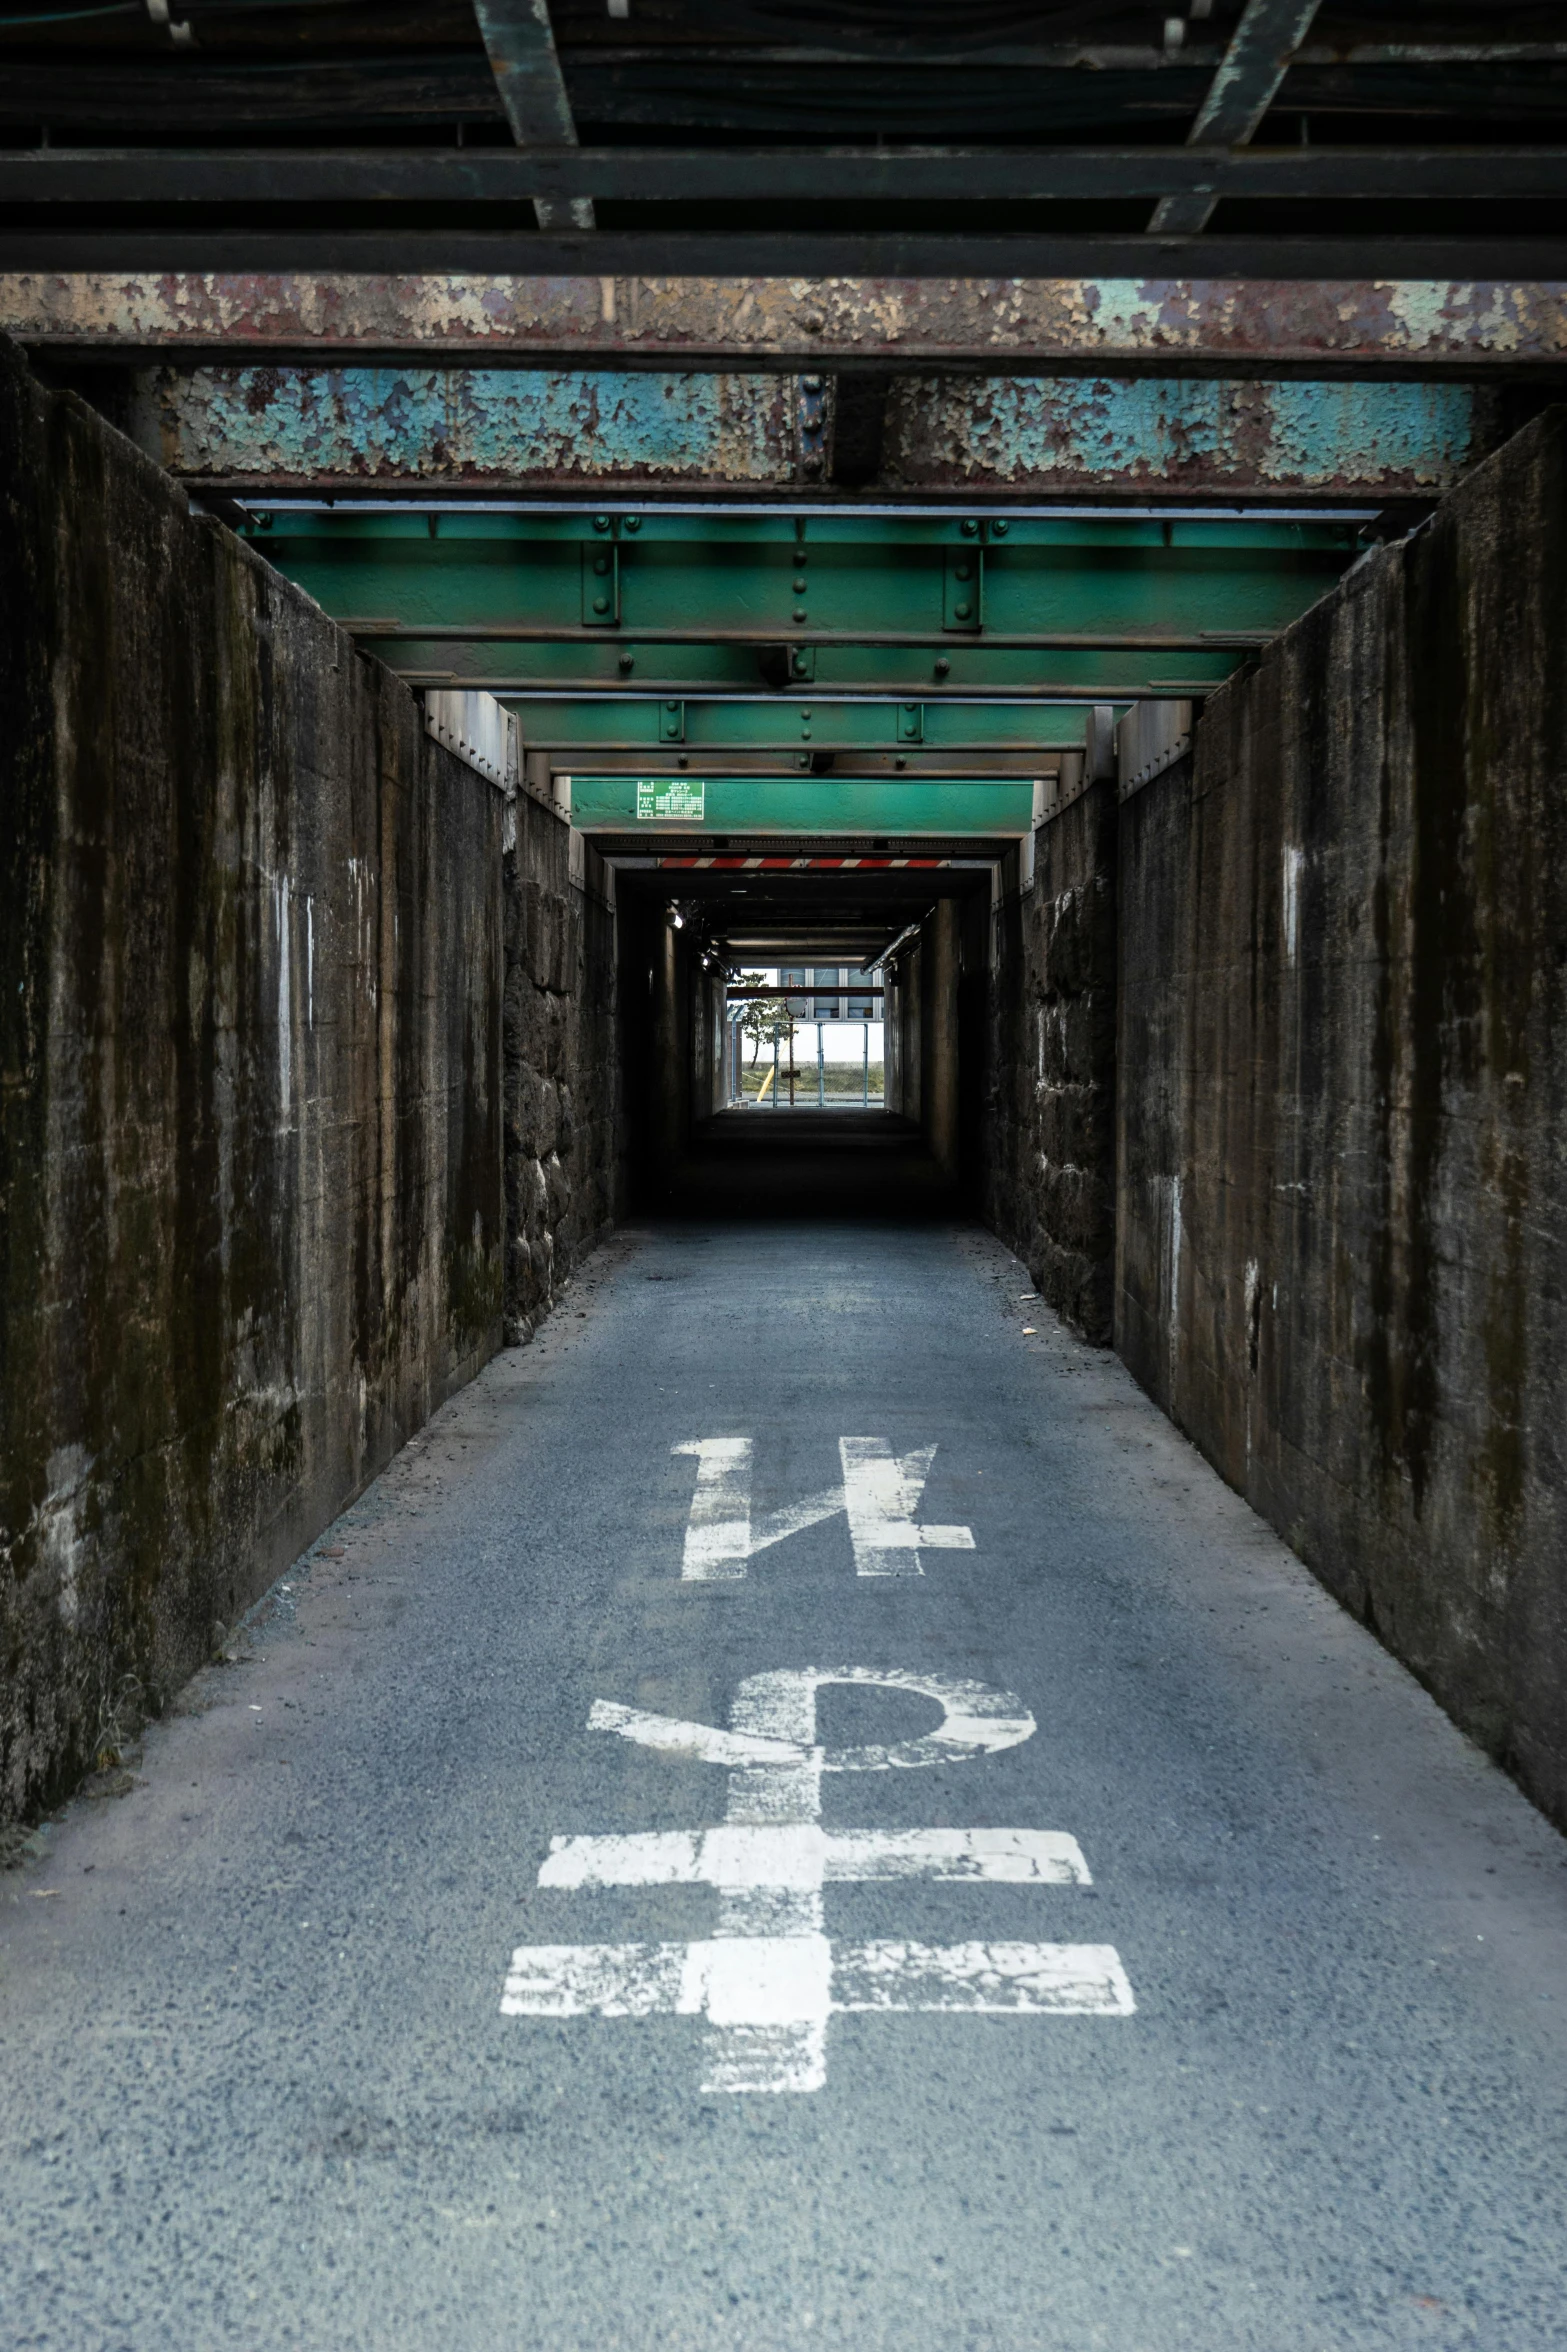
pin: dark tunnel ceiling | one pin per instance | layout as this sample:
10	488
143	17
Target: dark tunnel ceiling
834	919
1416	83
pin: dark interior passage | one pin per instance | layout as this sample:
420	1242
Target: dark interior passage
743	1163
914	929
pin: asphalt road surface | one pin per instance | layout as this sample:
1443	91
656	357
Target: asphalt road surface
998	1903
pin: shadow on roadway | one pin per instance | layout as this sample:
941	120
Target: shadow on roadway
815	1163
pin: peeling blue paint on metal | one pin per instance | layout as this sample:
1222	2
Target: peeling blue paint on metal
1140	431
282	423
1420	434
279	424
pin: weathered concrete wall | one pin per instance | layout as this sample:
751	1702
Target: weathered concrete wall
250	1120
564	1150
1342	1249
1050	1117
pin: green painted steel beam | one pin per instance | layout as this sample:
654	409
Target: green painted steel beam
759	805
879	673
794	724
1095	603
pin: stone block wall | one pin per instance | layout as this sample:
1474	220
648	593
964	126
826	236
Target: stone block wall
564	1150
1342	1083
1050	1168
251	1211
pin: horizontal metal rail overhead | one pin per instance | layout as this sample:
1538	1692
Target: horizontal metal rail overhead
303	243
1161	313
844	175
970	678
248	432
670	804
1112	605
948	767
914	730
1175	640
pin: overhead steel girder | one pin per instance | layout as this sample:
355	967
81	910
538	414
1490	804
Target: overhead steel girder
752	598
785	804
248	430
1252	322
798	724
60	242
847	672
947	767
258	177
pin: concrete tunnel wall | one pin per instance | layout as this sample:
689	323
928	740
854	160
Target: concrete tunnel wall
250	1194
309	1075
1297	1012
565	1134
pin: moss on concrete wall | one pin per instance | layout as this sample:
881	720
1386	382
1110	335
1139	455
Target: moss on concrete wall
1342	1235
250	1079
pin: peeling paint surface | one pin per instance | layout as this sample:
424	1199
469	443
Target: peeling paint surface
280	424
1151	430
464	423
1275	323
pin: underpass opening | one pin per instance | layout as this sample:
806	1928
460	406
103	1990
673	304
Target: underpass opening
872	952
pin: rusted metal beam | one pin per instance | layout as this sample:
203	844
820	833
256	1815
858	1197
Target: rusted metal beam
1213	437
1145	324
519	41
260	430
1244	84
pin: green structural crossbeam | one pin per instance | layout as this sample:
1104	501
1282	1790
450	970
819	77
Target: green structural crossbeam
796	723
1096	605
665	805
972	668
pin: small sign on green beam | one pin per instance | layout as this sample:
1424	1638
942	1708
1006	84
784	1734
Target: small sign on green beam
659	799
804	804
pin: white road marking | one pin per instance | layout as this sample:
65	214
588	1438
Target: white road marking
768	1982
879	1495
799	1854
718	1532
774	1723
1060	1980
702	1743
805	1979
